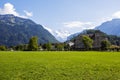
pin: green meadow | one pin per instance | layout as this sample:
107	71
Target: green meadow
59	65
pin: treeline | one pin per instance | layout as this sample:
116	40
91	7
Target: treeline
34	46
66	46
105	45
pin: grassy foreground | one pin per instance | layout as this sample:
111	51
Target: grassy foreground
59	65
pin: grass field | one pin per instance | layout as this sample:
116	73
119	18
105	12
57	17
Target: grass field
59	65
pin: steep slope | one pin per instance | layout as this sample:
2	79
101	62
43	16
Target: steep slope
110	27
15	30
76	34
72	36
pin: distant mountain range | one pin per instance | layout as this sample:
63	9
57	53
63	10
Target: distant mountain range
60	35
110	27
15	30
73	35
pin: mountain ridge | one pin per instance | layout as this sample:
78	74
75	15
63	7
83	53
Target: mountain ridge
15	30
111	27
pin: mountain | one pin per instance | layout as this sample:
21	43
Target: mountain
97	37
72	36
110	27
15	30
60	35
76	34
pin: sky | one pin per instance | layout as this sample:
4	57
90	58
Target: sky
63	17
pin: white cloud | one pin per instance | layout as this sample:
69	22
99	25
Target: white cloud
9	8
116	14
29	14
113	16
78	24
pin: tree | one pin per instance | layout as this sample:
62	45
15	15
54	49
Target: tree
105	44
48	46
87	41
60	46
33	44
2	48
44	46
21	47
66	47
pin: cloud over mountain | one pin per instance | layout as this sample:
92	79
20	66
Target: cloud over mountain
9	8
116	14
29	14
60	35
78	24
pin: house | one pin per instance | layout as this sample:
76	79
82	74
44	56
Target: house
70	43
